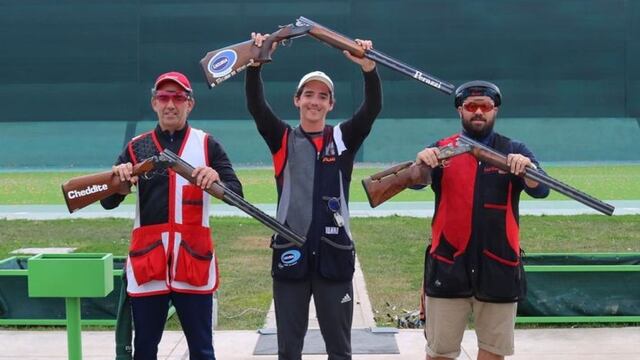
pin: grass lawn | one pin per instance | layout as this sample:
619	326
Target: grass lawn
393	244
615	182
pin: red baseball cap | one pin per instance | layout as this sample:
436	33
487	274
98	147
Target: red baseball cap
176	77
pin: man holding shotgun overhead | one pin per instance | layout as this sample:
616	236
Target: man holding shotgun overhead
473	264
313	164
171	257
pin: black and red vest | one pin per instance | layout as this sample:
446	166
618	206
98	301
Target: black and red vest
475	247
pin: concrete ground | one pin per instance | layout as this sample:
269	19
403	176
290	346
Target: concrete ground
538	344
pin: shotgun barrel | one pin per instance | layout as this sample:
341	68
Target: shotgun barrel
342	42
220	191
489	155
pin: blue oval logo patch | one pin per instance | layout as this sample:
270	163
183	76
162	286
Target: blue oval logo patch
290	257
222	63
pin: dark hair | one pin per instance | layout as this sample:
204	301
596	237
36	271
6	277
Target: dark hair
299	92
478	88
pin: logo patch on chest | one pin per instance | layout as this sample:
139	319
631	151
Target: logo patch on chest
331	230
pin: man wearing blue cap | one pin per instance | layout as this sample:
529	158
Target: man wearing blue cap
473	264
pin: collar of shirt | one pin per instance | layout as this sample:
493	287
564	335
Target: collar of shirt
171	141
487	140
316	138
171	138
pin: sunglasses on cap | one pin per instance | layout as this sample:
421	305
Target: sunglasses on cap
178	97
473	106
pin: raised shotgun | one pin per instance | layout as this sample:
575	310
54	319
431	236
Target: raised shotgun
220	65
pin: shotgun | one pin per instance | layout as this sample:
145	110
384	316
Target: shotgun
84	190
382	186
219	65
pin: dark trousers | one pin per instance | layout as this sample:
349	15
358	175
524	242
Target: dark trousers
334	309
150	315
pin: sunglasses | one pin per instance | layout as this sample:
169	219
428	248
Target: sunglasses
484	106
178	98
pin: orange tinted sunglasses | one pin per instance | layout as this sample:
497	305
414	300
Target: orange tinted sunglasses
473	106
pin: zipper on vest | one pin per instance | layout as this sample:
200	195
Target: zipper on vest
473	246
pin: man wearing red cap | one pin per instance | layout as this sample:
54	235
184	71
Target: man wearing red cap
171	256
313	164
474	264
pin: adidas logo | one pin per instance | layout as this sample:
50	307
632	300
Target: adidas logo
345	299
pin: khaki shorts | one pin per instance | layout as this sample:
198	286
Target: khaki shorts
446	320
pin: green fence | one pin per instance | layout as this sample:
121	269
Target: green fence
96	60
570	82
96	144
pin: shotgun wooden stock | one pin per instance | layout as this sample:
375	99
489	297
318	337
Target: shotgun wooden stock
85	190
219	65
384	185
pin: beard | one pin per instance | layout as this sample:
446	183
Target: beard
477	132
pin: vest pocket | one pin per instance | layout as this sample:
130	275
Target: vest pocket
337	260
193	265
500	279
192	198
288	262
446	277
148	260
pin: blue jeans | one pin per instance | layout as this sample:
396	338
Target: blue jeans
194	312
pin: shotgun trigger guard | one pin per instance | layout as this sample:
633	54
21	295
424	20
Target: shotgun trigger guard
286	42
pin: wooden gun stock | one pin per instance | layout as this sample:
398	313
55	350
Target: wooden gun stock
384	185
84	190
219	65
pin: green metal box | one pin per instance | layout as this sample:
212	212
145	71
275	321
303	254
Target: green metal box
70	275
587	287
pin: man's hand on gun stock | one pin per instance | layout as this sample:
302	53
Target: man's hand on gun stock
258	39
429	156
125	173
